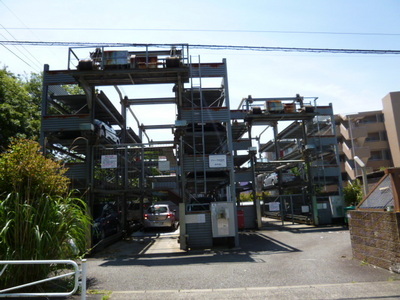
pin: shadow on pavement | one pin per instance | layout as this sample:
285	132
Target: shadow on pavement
274	225
251	243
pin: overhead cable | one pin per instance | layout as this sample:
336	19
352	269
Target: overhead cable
209	47
207	30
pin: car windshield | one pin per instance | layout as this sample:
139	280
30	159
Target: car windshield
157	210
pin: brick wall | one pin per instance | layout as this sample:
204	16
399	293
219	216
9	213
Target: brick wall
375	238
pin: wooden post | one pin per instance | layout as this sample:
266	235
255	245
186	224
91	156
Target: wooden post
394	174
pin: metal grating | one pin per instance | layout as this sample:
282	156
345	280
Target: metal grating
208	115
381	197
200	234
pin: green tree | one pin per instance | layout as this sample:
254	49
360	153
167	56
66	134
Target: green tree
353	193
19	108
33	84
39	217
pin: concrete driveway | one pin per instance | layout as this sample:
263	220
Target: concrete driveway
277	262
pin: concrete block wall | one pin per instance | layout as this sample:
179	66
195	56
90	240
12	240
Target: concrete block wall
375	238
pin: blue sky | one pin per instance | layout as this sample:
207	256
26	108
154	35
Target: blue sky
351	82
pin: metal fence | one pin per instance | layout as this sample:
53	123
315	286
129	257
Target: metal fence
287	207
78	273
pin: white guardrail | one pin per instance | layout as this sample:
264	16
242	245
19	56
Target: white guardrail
78	273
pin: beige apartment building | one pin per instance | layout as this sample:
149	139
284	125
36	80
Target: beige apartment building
373	136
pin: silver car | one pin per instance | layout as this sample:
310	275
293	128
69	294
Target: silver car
106	131
272	179
159	215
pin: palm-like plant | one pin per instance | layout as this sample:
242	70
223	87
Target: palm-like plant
39	217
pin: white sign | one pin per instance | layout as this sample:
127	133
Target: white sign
217	161
164	165
109	162
195	218
274	206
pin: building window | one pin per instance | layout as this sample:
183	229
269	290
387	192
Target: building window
376	155
384	136
369	119
373	137
387	154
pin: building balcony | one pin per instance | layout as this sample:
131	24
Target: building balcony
340	148
353	131
376	165
377	145
374	127
354	170
362	152
350	170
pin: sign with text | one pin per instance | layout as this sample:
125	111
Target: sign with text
109	162
217	161
164	165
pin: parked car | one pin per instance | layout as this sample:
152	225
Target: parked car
106	221
135	212
272	179
159	215
105	131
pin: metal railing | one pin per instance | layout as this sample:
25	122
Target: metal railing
78	273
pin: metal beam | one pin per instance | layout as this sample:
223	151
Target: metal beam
145	101
168	126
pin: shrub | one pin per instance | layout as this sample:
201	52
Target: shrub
39	217
24	170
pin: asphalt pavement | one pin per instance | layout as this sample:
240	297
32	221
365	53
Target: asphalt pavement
290	261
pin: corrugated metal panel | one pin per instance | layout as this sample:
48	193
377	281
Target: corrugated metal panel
164	185
208	70
322	140
191	163
381	197
324	110
249	216
57	90
244	176
200	234
76	171
238	114
58	78
244	144
327	170
207	115
64	122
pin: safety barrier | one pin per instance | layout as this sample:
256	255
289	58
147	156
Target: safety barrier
79	273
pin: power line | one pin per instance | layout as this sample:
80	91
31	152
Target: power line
37	63
209	47
208	30
22	53
295	49
16	55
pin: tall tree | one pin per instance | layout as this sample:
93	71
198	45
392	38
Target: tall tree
19	107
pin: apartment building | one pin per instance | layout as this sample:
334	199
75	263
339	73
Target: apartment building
373	136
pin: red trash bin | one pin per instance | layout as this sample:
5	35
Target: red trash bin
240	217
